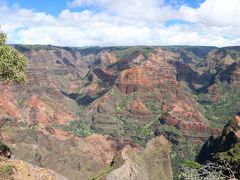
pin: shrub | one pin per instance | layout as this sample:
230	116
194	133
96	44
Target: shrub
211	170
6	171
79	128
3	147
12	62
193	164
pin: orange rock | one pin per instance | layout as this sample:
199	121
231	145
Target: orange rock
139	108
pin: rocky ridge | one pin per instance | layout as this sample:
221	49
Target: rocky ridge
225	147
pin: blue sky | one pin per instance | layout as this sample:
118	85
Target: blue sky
54	7
121	22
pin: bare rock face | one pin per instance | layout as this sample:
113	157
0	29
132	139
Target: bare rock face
151	163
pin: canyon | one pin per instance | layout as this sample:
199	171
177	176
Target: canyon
98	112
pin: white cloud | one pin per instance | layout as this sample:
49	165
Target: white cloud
149	10
124	22
218	13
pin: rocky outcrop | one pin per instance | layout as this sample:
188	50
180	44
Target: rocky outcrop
225	147
151	163
185	125
138	108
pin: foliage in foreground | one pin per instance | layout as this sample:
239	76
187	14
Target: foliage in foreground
12	63
219	170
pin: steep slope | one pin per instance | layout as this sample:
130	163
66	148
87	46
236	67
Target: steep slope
52	72
151	163
225	147
218	85
64	153
130	93
140	96
136	75
86	75
81	158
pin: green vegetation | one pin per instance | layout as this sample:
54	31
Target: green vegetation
182	150
12	63
143	135
102	173
23	48
138	134
207	171
195	52
6	171
3	38
34	126
228	104
232	155
154	104
184	153
20	101
79	128
193	164
122	105
170	130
